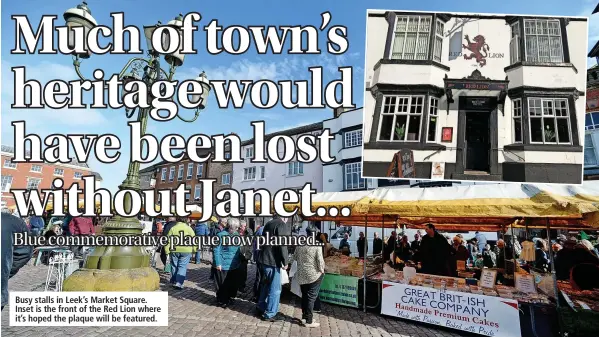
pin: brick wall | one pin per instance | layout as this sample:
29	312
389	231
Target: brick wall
24	173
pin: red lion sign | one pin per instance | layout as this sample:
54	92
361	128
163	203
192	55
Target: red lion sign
479	49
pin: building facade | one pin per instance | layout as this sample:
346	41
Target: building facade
38	176
591	133
147	177
276	176
488	97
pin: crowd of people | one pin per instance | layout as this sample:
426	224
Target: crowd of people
229	263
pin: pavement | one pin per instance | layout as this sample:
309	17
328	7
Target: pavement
192	312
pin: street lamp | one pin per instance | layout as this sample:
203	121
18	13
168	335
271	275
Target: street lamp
122	268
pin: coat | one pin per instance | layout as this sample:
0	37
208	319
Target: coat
434	254
13	258
174	231
201	229
81	226
275	256
227	257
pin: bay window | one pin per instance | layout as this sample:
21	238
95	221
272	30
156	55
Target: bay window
517	117
353	176
543	40
433	114
412	35
401	118
353	138
549	121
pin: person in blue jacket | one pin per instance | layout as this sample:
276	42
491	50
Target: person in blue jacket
37	225
201	229
227	260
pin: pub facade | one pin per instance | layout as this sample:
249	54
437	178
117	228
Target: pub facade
476	97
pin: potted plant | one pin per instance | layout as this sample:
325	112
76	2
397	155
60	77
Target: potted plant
400	131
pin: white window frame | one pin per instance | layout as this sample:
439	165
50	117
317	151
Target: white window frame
249	152
6	183
515	42
554	117
262	173
75	175
547	35
58	169
171	175
180	172
249	173
594	123
295	168
200	170
395	113
352	138
163	174
517	118
589	146
37	186
226	179
350	169
36	171
187	192
9	164
439	36
197	191
432	108
189	171
405	34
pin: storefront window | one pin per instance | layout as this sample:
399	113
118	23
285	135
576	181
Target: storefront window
412	35
401	118
549	121
543	41
590	158
432	120
517	115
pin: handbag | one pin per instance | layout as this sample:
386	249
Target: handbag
284	277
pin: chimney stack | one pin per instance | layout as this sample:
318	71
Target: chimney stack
338	111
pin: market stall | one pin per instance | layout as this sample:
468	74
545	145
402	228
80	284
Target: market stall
466	303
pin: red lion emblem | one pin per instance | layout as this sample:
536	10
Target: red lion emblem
479	49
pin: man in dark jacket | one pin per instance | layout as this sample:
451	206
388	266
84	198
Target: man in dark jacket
415	246
201	229
13	258
390	245
361	247
377	244
271	260
434	252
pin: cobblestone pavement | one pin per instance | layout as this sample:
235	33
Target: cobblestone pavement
192	313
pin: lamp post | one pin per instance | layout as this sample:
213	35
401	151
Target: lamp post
122	268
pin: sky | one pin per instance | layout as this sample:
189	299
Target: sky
251	66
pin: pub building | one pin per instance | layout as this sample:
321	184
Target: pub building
476	96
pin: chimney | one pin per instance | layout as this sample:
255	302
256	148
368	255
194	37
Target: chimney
338	111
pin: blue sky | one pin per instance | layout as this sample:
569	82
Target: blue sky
213	120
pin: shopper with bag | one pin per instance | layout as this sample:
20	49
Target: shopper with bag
272	259
309	274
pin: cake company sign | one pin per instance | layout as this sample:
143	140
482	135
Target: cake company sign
483	315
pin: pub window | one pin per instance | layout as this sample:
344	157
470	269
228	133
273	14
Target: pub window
543	41
515	43
401	117
517	115
549	121
411	38
590	158
433	114
438	41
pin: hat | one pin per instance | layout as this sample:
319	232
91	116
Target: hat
213	219
310	230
